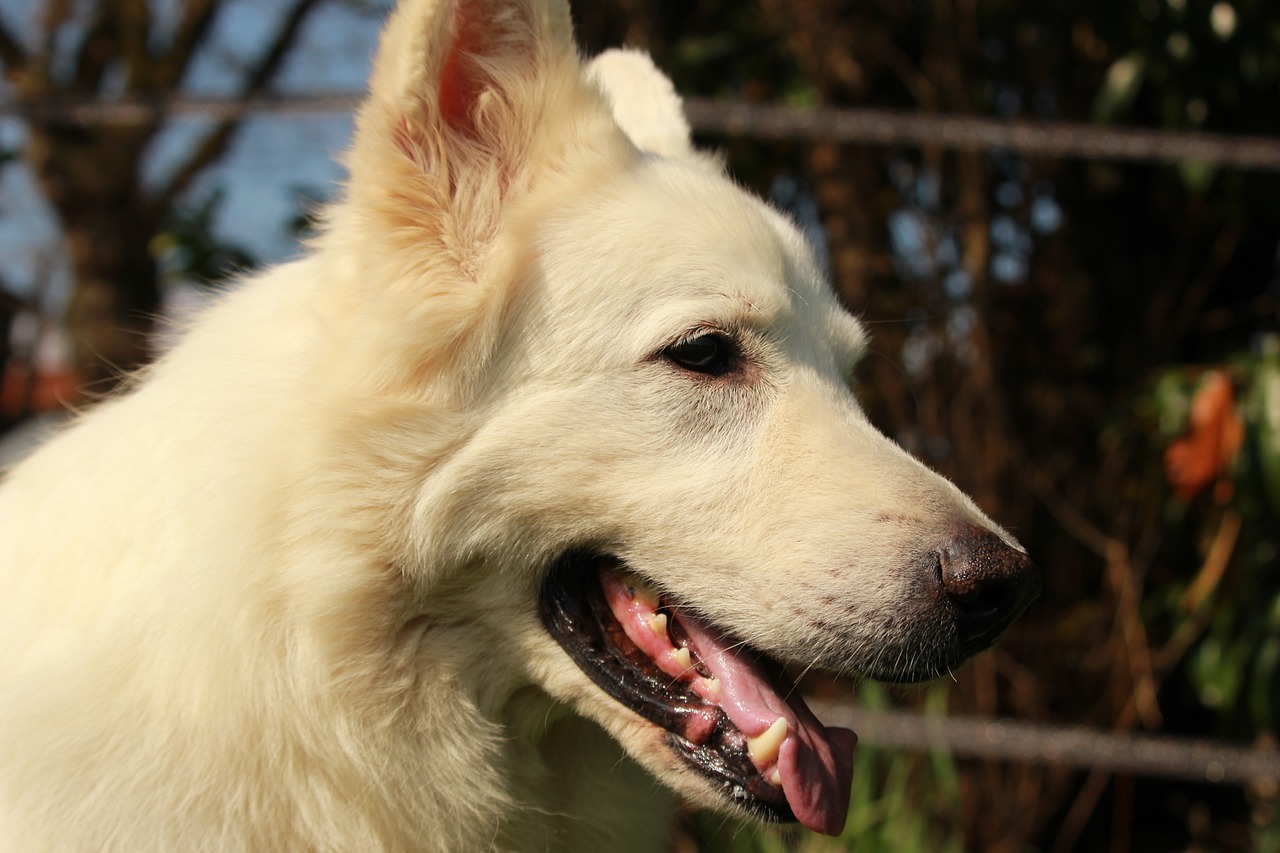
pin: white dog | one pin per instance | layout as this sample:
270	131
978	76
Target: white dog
543	457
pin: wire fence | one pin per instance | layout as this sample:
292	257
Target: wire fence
1195	760
1054	140
1192	760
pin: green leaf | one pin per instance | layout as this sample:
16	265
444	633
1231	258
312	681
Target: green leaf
1171	398
1197	175
1263	684
1120	88
1264	411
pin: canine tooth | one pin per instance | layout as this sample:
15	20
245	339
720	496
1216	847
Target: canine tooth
684	658
713	685
658	622
775	778
763	748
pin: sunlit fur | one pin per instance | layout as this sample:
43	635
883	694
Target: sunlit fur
282	595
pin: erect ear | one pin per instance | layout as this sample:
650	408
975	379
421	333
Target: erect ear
644	102
462	93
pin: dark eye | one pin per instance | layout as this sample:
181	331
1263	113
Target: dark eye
711	354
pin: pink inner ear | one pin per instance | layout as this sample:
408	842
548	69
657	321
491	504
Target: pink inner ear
461	80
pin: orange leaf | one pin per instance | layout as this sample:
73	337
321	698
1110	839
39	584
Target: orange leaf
1197	460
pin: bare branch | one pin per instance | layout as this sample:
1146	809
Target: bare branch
100	46
216	142
274	57
12	54
206	153
57	13
197	18
133	25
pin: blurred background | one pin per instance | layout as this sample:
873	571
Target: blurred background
1060	221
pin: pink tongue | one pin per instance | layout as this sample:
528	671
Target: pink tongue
815	761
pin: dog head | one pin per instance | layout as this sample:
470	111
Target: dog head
658	483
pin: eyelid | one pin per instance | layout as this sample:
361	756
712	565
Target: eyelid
697	332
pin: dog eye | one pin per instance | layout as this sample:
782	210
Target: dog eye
711	354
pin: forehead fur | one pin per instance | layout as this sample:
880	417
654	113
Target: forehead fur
668	241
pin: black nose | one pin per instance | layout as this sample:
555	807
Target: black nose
988	582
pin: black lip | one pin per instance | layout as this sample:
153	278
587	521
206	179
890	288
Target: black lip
575	613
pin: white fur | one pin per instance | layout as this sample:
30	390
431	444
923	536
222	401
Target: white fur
644	103
282	594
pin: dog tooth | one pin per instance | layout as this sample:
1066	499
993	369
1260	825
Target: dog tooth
641	590
658	622
713	686
684	658
775	778
763	748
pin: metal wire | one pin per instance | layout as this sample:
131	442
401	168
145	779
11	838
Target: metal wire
1167	757
1072	746
1059	140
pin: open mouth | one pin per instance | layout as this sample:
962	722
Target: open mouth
729	711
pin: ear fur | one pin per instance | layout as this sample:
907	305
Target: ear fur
463	96
644	101
472	105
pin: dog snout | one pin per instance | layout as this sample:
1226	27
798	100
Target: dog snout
988	583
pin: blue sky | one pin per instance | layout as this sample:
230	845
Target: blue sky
269	161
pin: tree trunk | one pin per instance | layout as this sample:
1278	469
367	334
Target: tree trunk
90	177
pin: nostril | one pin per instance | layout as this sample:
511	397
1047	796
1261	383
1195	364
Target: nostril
985	600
